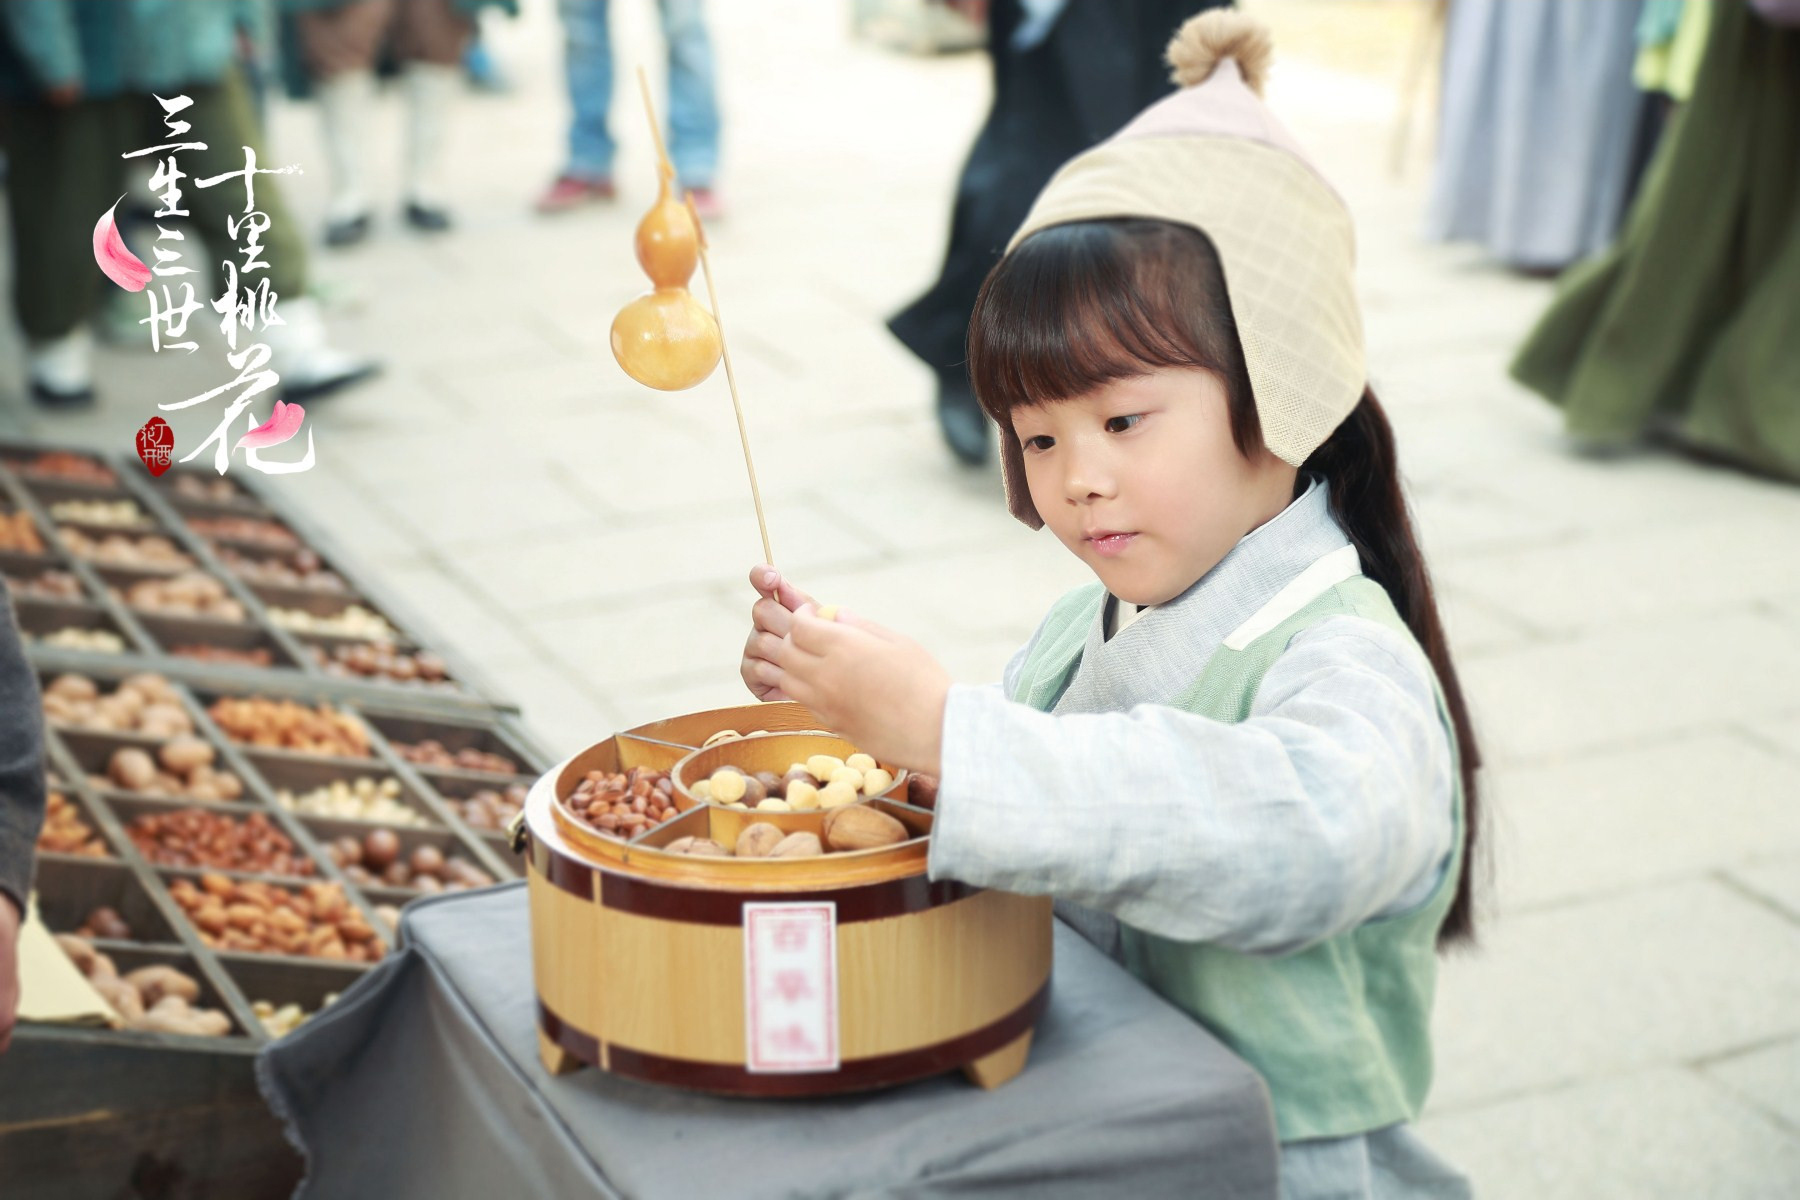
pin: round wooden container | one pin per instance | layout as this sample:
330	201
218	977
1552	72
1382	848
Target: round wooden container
639	956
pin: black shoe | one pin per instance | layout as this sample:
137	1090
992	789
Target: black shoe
963	424
51	398
426	218
347	232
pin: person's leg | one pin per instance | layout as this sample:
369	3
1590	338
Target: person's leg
587	67
693	102
63	171
339	46
430	42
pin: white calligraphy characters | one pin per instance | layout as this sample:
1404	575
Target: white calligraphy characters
241	305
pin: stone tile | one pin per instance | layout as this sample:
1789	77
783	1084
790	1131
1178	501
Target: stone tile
677	554
1695	568
1630	683
1768	1077
1653	1135
1774	879
1615	820
1571	994
449	614
1780	733
1475	627
640	706
453	515
563	715
651	641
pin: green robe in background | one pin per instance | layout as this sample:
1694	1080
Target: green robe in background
1689	325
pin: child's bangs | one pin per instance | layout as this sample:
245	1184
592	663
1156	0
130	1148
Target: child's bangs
1077	306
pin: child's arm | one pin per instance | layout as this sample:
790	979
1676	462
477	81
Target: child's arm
1330	805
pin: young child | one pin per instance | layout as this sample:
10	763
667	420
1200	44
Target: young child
1241	760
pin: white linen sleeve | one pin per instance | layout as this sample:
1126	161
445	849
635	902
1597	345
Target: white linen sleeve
1329	805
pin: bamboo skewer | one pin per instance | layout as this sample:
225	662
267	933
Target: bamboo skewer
712	295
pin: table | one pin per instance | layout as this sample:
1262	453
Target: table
425	1080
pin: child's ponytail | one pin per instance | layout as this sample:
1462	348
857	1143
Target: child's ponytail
1359	464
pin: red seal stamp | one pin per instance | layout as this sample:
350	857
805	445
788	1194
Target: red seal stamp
156	445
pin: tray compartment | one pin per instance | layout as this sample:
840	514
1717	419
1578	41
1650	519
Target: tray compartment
299	775
405	733
68	889
448	844
130	811
192	637
41	620
280	981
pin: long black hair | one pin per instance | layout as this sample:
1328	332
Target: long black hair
1076	306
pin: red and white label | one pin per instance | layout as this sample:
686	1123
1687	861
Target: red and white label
791	987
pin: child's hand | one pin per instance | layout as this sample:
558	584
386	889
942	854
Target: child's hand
770	619
879	690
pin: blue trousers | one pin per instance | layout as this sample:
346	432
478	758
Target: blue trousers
692	111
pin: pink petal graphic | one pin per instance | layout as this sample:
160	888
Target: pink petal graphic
282	424
115	258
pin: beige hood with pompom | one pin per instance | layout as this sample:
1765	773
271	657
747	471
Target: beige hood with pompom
1213	156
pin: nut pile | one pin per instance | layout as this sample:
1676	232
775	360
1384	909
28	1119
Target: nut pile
66	832
194	837
822	781
257	657
624	805
362	799
354	621
17	533
189	594
146	704
490	808
246	529
76	468
183	767
318	921
156	553
156	998
849	829
76	637
433	753
105	922
280	1020
288	725
375	861
379	660
301	569
208	491
119	514
45	585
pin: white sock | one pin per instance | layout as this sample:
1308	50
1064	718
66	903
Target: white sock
430	92
65	364
347	108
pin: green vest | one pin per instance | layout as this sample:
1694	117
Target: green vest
1341	1030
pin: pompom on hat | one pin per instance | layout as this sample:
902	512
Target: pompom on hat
1214	157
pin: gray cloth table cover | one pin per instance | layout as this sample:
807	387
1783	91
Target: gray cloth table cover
424	1080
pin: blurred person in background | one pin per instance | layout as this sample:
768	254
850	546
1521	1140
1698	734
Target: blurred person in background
1067	73
21	801
1689	327
340	43
691	115
1539	118
78	80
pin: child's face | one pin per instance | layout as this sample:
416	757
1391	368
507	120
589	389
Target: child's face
1141	481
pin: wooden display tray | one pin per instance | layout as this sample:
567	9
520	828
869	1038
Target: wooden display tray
148	636
638	954
69	886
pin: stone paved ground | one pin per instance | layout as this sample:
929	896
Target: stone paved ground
1628	628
